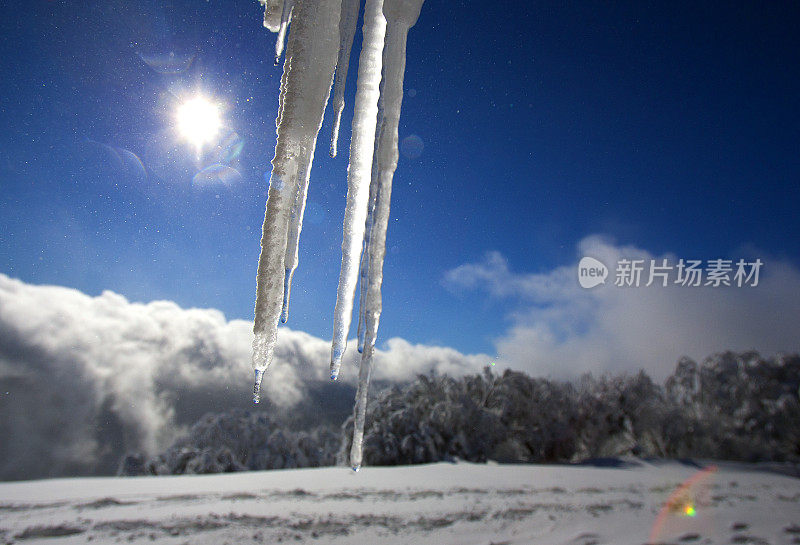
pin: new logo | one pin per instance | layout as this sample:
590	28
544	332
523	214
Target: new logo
591	272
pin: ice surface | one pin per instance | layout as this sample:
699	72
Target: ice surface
373	195
360	412
257	386
400	14
359	172
320	40
347	31
305	86
295	226
286	14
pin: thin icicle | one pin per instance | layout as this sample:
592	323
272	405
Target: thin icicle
360	411
257	386
373	192
347	31
372	308
358	174
286	14
311	57
400	15
295	227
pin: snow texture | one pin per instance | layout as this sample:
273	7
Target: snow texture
631	504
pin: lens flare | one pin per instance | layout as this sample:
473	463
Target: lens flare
682	504
199	121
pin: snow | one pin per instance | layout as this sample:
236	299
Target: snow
632	504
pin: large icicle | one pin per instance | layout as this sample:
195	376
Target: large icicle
308	74
347	31
400	15
358	174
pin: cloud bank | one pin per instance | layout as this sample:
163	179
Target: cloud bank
83	379
562	330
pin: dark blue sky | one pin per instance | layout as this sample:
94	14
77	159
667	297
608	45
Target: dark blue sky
671	126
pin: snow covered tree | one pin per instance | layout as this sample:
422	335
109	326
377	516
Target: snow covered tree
238	441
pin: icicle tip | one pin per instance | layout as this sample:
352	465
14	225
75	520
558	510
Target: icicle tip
257	386
334	141
336	362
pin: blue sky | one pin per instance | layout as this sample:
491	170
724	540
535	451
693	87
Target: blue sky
673	128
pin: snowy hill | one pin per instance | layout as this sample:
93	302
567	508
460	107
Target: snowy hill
634	503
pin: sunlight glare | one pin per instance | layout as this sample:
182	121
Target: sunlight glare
198	121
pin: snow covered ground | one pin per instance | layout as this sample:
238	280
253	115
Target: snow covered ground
460	503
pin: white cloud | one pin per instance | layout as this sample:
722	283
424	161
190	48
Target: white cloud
560	329
84	379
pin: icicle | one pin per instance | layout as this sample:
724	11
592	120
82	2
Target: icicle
270	266
295	226
308	74
285	16
305	86
347	31
257	386
400	15
287	68
360	411
373	192
358	174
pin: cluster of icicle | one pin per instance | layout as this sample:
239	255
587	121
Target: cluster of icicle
320	39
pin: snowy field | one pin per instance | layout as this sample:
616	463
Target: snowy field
441	503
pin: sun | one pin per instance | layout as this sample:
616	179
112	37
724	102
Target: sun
198	121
